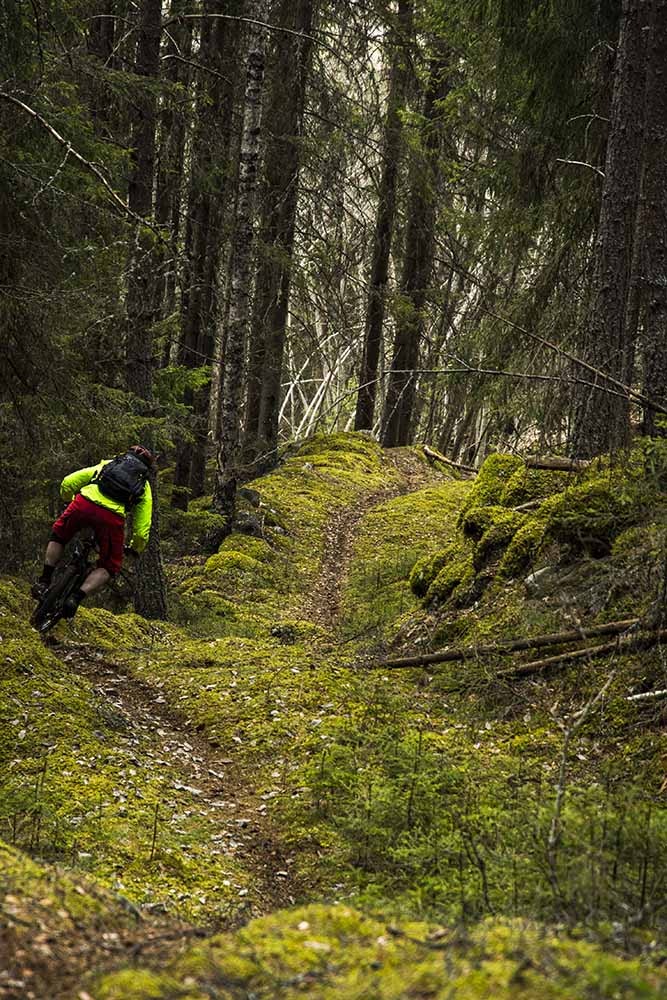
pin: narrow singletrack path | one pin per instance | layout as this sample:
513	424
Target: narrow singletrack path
323	604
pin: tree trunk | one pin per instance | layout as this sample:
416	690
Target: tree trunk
385	218
238	315
207	189
142	288
601	421
654	198
288	72
417	266
169	185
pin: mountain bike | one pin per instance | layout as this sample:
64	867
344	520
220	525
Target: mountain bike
67	578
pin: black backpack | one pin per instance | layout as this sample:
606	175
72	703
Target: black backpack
123	479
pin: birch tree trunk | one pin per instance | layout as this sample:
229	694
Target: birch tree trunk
141	303
235	334
601	421
288	72
385	218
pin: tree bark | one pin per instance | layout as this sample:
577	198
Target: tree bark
385	218
417	266
287	71
208	186
601	422
654	200
141	303
173	121
235	335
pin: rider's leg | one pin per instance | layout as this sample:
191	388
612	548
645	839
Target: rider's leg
96	579
54	551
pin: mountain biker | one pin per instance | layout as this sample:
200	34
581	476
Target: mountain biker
99	498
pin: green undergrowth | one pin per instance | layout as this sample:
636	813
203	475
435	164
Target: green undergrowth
437	795
329	952
442	795
79	787
392	538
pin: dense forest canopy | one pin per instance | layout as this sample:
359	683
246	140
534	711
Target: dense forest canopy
229	224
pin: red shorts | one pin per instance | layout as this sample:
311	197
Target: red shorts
109	530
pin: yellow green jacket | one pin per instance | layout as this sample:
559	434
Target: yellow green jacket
81	482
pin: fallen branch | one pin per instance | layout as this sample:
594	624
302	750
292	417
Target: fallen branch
648	695
436	456
508	646
556	464
619	645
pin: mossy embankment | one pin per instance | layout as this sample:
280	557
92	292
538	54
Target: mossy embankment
449	790
444	795
331	952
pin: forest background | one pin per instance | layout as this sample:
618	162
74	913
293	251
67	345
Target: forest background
228	224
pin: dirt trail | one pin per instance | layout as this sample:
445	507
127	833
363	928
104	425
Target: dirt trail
208	773
323	604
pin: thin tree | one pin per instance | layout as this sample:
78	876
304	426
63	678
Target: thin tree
235	334
207	187
399	76
654	216
417	264
141	302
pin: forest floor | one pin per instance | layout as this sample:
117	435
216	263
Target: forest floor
139	713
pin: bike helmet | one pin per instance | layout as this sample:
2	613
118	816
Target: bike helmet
146	456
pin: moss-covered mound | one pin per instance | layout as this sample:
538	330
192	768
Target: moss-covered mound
561	517
335	952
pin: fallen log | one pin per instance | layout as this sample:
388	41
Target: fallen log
508	645
436	456
556	464
619	645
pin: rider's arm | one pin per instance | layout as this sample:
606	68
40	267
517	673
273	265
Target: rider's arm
71	484
141	521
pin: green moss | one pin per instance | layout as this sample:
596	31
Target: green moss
588	517
478	520
331	952
257	548
424	571
492	480
526	485
502	527
523	548
185	531
139	984
457	573
391	541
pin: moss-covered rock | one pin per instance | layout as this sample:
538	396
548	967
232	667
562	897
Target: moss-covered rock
456	573
502	527
492	480
523	548
587	518
425	570
526	485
